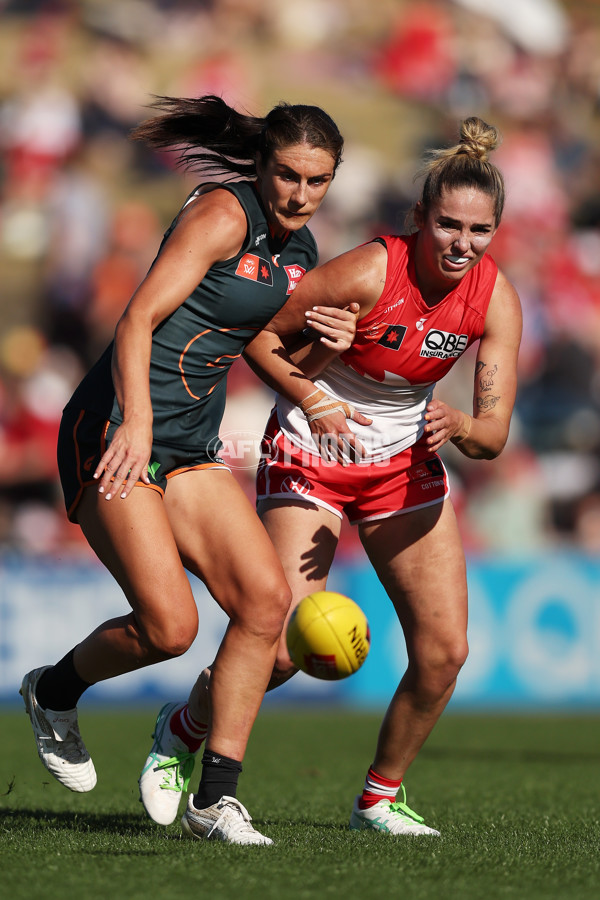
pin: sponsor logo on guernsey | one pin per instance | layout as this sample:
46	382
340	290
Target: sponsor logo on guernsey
392	337
255	269
261	237
443	344
294	274
393	306
420	323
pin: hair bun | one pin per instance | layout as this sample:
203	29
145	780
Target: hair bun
477	138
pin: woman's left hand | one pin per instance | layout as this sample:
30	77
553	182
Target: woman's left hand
443	423
336	327
125	460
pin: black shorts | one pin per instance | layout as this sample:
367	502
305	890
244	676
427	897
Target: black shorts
82	440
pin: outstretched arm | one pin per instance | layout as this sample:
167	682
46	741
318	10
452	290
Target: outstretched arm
357	276
483	434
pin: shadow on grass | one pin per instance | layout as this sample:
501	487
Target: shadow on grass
504	754
83	823
128	825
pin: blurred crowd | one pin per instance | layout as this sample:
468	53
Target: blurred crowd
83	208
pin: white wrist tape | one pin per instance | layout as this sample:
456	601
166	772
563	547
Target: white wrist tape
319	404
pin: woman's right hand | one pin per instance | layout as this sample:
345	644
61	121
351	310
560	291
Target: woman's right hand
125	461
334	439
337	327
327	418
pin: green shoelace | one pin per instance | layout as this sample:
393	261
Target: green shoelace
182	767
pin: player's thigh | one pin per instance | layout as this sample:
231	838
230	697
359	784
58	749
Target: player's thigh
419	559
134	540
223	542
305	537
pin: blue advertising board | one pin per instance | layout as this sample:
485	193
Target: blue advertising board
534	634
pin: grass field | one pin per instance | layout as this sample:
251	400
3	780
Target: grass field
517	800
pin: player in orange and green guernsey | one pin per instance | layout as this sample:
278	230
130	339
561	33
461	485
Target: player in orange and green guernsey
138	445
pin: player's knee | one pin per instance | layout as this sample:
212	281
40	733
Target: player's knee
449	658
178	642
264	612
173	638
448	664
436	670
459	655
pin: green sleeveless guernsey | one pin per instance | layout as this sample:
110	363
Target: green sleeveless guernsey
193	349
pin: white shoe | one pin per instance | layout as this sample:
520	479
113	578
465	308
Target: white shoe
392	818
58	740
227	820
167	770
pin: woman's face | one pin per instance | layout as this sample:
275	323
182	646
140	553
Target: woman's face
292	184
454	235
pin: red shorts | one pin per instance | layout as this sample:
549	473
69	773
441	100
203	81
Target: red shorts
410	480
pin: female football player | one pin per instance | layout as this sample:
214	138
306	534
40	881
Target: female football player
424	299
138	445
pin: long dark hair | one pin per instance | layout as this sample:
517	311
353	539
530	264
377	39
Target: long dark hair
210	136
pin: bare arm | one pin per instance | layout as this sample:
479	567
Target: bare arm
354	277
484	434
212	228
330	332
357	277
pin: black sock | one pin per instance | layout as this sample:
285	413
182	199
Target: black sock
60	687
219	778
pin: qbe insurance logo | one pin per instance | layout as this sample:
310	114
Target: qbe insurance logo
443	344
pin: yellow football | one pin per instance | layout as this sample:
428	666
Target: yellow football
328	636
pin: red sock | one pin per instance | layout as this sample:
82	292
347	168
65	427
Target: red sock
378	788
191	732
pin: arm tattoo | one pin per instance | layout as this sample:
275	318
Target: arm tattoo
486	382
484	403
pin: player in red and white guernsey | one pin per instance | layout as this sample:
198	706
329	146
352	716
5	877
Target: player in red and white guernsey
422	300
361	437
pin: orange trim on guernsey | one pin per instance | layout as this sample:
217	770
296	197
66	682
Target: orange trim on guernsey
83	484
157	487
214	465
214	364
153	487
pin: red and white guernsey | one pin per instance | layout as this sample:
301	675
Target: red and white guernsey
402	348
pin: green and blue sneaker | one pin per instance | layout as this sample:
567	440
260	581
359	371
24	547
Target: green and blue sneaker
391	818
167	770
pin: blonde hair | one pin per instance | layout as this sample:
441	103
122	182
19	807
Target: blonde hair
466	164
